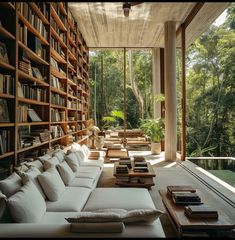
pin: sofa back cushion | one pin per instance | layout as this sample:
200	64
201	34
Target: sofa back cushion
52	162
11	185
3	199
86	150
60	154
72	161
27	205
66	173
44	157
81	155
76	146
31	175
52	184
37	163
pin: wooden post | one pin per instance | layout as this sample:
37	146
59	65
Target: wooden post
124	74
170	92
183	132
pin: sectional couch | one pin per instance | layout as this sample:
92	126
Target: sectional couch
39	198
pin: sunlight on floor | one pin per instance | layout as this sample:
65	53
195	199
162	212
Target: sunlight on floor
170	165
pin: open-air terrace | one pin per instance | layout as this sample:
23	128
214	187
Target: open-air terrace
116	119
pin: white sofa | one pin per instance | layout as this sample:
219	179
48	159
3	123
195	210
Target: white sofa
79	195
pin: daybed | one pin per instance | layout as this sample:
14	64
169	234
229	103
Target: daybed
37	200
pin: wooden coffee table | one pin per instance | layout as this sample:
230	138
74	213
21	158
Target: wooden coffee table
145	179
187	227
116	153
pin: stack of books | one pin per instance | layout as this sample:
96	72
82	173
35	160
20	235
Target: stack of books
139	159
186	198
122	180
122	169
140	169
125	161
25	65
140	164
179	188
201	211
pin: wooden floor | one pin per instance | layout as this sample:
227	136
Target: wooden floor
169	173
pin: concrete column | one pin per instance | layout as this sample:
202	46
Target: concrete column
156	81
170	92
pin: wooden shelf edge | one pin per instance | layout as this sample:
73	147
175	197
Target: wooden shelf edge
4	32
31	147
31	78
31	101
8	154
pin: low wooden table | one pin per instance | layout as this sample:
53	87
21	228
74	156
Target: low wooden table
116	153
145	179
187	227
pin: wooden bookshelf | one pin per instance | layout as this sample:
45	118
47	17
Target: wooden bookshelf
54	25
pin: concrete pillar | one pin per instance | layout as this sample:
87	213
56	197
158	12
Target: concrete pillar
156	80
170	91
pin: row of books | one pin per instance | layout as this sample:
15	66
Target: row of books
54	63
72	35
59	13
61	33
122	169
72	49
56	131
72	104
57	99
33	18
72	77
57	47
5	141
7	84
36	46
55	82
32	92
43	8
57	116
25	114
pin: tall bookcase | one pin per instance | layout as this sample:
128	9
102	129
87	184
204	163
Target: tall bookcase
43	81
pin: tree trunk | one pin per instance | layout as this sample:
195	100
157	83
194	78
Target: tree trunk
134	87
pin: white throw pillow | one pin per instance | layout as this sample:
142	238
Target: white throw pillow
72	161
86	150
52	162
3	199
117	215
27	205
52	184
31	175
66	173
60	155
11	185
44	157
76	146
37	163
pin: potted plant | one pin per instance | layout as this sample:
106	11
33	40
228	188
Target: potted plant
154	129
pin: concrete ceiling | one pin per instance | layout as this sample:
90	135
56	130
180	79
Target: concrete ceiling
103	24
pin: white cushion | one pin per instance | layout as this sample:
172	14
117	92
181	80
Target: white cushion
3	199
56	217
52	184
76	146
86	169
52	162
27	205
72	161
44	157
66	173
32	175
92	163
82	182
37	163
11	185
122	198
117	215
73	199
91	175
81	155
60	155
86	150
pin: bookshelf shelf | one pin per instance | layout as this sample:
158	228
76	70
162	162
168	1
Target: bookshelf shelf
31	101
8	154
6	66
57	37
32	123
39	13
57	19
33	30
32	55
23	75
6	34
4	95
57	56
39	32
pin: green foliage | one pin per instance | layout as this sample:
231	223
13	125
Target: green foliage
113	120
153	128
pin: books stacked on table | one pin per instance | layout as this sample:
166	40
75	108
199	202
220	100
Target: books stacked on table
140	169
139	159
200	211
122	180
125	161
140	164
183	195
122	169
134	180
186	198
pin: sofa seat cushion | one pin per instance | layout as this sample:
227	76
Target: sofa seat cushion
72	200
56	217
82	182
122	198
90	175
86	168
95	163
